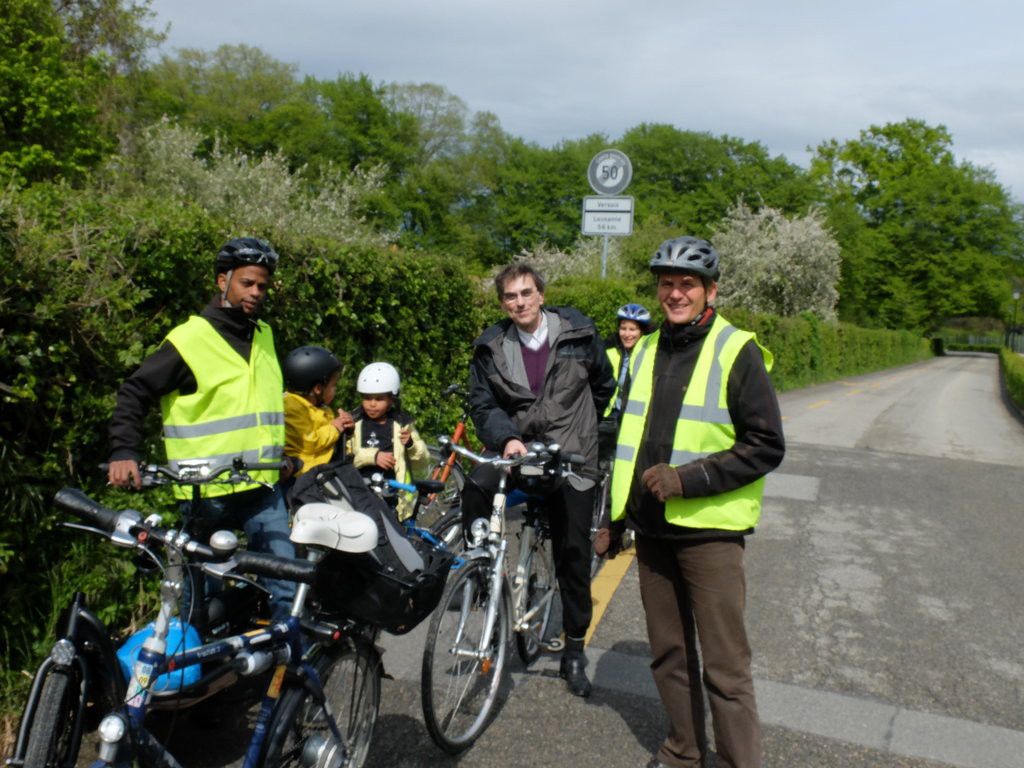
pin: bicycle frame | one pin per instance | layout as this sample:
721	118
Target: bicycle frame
519	587
443	471
494	546
281	643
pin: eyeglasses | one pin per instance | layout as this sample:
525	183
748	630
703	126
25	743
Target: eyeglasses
509	297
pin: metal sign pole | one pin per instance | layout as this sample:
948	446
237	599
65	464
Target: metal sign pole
604	258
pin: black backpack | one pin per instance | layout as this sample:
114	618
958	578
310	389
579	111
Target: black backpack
394	586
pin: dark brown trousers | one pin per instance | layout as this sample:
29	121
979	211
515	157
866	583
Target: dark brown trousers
694	593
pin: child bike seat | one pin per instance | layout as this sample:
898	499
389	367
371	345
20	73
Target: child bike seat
329	526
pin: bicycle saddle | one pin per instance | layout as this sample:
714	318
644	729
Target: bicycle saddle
326	525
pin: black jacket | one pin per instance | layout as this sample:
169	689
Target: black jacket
164	372
754	410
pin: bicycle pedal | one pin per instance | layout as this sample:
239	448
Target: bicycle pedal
554	645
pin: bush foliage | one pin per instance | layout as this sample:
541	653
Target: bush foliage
1012	366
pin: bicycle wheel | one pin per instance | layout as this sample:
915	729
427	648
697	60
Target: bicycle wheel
350	674
536	600
463	672
51	737
446	500
599	519
449	530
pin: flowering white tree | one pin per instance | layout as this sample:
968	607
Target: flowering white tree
775	265
260	194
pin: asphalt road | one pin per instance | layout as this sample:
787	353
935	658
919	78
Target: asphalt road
886	603
886	600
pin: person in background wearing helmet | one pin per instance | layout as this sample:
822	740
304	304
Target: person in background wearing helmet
312	431
634	321
700	430
542	374
383	439
218	383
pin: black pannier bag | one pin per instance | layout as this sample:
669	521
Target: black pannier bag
394	586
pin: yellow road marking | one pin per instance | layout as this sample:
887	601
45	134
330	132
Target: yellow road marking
819	404
854	392
602	589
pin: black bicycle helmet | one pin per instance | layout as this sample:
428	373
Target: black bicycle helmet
243	251
688	254
305	367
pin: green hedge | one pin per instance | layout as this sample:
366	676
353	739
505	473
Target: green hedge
1012	366
808	350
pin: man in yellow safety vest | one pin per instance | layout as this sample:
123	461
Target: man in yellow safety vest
219	386
699	431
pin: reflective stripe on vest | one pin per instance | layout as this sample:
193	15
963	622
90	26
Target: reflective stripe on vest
236	411
703	427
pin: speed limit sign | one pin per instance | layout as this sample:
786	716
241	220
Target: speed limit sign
610	172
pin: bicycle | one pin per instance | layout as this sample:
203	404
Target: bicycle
446	532
466	652
438	511
336	679
599	519
81	672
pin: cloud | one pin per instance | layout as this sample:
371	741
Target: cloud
789	74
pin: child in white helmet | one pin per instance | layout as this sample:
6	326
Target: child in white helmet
383	438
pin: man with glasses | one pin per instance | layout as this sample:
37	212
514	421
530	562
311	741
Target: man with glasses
542	375
220	390
700	430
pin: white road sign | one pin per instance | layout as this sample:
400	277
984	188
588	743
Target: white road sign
606	215
610	172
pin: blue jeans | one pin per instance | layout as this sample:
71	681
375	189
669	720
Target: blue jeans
262	514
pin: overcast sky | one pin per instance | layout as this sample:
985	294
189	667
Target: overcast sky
789	74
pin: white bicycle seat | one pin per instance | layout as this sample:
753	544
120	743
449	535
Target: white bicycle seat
325	525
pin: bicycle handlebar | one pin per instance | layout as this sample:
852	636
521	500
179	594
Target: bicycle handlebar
201	474
569	463
127	528
276	567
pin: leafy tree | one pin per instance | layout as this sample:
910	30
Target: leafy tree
925	237
229	93
48	97
117	34
777	265
257	194
689	179
440	116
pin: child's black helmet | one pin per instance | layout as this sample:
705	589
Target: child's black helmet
305	367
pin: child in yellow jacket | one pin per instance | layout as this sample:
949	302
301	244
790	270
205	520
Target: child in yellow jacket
383	438
312	431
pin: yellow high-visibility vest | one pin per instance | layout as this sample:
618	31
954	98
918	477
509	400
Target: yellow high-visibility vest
236	410
614	357
703	427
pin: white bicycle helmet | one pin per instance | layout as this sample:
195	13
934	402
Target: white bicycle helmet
377	378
